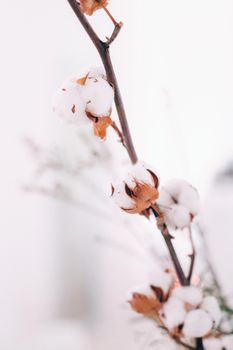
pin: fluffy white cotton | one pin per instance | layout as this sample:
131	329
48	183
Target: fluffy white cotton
68	104
97	73
159	278
97	94
173	313
190	199
190	295
177	216
179	202
143	289
175	186
227	342
211	306
165	200
120	197
198	323
224	342
213	344
184	194
139	171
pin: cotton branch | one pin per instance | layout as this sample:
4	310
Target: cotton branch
192	256
168	240
103	50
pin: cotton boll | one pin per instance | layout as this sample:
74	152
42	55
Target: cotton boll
198	323
173	313
227	342
120	196
68	104
190	295
159	278
98	96
185	194
177	216
213	344
210	305
138	191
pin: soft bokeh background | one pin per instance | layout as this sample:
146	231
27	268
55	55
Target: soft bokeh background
67	255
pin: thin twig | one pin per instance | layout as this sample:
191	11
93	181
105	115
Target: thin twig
119	133
103	50
110	16
168	240
192	256
179	342
115	33
175	337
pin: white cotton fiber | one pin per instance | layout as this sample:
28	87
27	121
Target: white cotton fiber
173	313
213	344
98	96
197	324
68	104
189	198
184	194
164	201
177	216
120	196
159	278
210	304
227	342
96	73
139	171
190	295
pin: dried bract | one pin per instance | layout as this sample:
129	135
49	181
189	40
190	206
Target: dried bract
145	301
90	6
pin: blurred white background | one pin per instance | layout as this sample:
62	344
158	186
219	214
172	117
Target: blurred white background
62	283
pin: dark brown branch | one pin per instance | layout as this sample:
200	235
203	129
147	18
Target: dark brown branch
168	240
199	344
103	50
192	256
